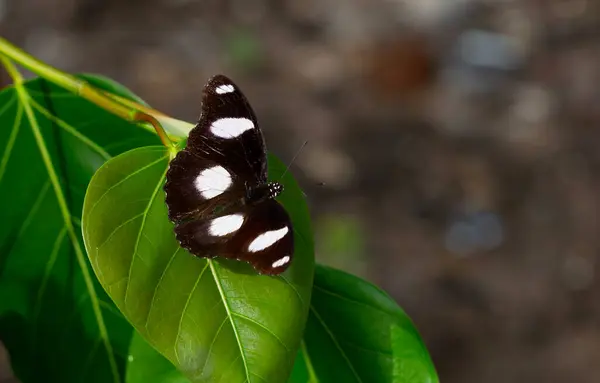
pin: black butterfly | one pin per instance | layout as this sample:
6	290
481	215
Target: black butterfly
217	192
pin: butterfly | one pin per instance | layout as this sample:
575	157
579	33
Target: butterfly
217	192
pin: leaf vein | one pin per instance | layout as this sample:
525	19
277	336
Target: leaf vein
114	231
37	306
187	302
14	132
354	301
227	369
263	327
123	180
336	343
49	266
70	129
361	348
212	344
293	288
140	232
160	280
259	377
32	211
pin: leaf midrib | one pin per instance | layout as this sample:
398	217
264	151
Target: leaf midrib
13	136
63	207
229	315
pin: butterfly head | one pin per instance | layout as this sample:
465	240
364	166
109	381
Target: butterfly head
263	192
275	188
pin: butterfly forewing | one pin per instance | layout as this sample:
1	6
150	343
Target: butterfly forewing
228	131
225	151
195	184
212	184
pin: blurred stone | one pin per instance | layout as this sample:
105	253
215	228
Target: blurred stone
401	67
475	233
488	50
578	273
249	11
159	75
320	66
430	14
533	104
461	238
327	165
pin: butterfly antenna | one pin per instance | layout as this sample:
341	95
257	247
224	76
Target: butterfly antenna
293	159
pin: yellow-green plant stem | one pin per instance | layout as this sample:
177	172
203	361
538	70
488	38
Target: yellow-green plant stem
131	112
178	126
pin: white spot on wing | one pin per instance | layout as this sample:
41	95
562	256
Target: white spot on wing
225	225
230	127
213	181
267	239
281	262
225	88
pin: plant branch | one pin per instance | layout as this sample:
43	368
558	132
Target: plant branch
130	111
11	70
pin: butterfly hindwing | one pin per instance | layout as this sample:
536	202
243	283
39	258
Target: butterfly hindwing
266	240
261	235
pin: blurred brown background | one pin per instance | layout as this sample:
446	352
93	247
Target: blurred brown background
457	140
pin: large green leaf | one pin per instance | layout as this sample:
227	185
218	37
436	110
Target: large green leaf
58	324
215	320
382	344
357	333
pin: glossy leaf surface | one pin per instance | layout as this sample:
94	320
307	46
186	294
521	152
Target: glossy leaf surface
384	345
357	333
215	320
55	319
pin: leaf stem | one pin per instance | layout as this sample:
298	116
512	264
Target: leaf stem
130	111
11	70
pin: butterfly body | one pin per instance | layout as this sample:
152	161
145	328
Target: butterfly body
217	192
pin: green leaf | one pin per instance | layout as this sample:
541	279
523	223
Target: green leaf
215	320
356	333
55	319
408	361
148	365
107	84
